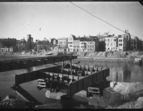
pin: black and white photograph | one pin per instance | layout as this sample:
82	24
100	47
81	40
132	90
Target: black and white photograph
71	54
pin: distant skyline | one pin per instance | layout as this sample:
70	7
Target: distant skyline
61	19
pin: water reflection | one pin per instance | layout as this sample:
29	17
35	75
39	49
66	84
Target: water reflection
122	72
126	74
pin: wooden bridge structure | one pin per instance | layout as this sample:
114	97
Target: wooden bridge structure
8	65
78	77
76	82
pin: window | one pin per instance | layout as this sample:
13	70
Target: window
120	40
120	44
69	42
119	36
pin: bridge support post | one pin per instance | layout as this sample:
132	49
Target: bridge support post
71	67
101	87
16	80
62	66
87	92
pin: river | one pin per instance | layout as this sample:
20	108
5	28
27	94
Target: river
122	72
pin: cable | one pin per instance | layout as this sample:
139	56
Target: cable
98	17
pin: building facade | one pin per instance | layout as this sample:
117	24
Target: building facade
73	44
122	43
87	45
5	49
136	44
82	44
63	42
111	43
127	36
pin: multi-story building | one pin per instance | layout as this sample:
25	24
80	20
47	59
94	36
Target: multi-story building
122	43
73	44
97	42
111	43
127	36
63	42
87	45
82	44
5	49
102	45
136	44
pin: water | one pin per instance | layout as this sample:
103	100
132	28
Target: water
121	72
7	80
118	72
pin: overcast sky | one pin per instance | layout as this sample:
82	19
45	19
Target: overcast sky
61	19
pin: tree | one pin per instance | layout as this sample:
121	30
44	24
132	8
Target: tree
30	43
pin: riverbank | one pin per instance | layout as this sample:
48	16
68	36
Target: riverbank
116	56
105	59
14	56
120	95
112	56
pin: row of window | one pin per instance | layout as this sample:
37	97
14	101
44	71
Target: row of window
82	46
108	44
113	44
62	42
110	39
111	47
80	50
120	40
69	42
120	44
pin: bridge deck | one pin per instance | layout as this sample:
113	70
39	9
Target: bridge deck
31	62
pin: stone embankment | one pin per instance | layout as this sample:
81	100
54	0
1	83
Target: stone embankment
112	56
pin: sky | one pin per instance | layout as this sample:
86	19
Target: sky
61	19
